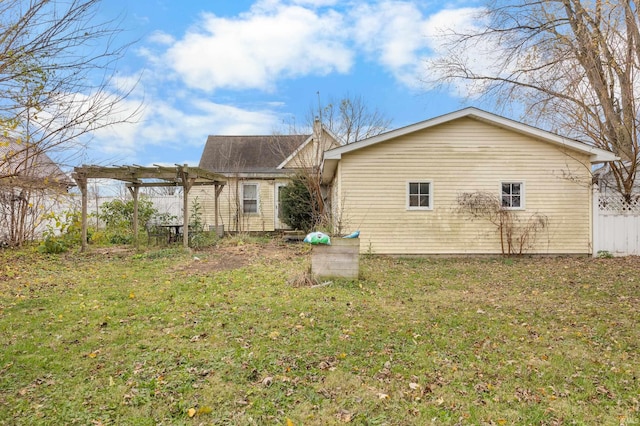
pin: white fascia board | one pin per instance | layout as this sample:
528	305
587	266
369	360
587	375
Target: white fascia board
328	170
294	153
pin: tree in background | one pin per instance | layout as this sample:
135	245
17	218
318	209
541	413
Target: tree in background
573	65
349	119
57	64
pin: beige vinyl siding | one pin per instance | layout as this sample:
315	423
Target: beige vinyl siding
307	157
311	154
464	155
230	205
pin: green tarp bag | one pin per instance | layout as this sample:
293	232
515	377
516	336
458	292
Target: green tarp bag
316	238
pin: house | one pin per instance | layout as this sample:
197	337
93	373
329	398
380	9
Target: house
257	168
606	181
31	187
25	165
403	189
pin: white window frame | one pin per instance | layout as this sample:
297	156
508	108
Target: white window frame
257	199
408	194
522	194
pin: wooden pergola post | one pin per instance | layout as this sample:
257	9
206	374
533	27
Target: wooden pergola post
81	180
134	190
186	185
216	205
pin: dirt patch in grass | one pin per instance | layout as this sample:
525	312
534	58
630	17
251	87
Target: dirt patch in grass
113	251
226	257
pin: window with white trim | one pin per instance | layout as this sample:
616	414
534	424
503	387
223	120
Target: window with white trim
512	195
419	195
250	198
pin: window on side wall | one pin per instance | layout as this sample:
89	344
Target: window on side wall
512	195
250	198
419	195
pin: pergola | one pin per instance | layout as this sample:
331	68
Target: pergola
140	177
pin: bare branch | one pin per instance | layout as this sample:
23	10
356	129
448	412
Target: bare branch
57	69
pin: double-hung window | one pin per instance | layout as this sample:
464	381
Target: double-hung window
512	195
250	198
419	195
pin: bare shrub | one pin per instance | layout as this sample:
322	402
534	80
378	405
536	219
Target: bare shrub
517	232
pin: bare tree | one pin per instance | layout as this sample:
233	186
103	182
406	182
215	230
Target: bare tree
57	83
574	65
350	118
345	121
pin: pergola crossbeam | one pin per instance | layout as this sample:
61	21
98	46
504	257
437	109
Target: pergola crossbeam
179	175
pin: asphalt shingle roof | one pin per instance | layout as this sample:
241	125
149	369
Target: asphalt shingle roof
24	163
248	154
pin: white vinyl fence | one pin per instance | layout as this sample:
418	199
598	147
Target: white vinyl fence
171	204
59	204
616	225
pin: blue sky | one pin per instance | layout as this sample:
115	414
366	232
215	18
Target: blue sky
251	67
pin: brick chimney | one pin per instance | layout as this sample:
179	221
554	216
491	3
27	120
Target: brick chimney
317	129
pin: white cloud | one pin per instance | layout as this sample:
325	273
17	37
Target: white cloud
478	54
170	125
273	41
389	30
400	37
438	25
316	3
259	47
276	40
160	37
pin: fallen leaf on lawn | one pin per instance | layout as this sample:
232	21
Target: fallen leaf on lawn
414	386
289	422
274	335
345	416
204	410
191	412
383	396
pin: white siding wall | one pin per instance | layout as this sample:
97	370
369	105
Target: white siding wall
462	156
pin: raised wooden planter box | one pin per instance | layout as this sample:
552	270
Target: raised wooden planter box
338	260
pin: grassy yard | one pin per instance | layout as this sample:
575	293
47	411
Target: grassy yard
163	338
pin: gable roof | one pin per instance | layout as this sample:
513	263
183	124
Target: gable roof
249	154
25	165
596	155
319	129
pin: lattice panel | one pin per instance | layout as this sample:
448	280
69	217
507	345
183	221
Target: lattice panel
617	204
